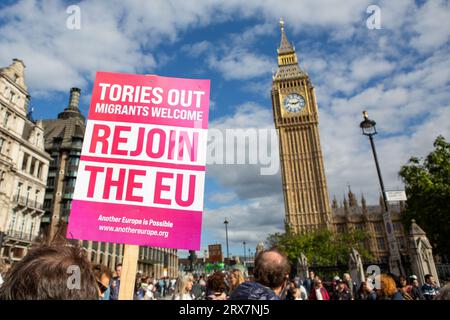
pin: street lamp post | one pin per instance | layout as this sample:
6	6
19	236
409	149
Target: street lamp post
368	129
245	258
226	235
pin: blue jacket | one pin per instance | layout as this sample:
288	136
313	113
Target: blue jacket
253	291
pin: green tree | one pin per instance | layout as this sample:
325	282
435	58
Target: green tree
427	185
322	247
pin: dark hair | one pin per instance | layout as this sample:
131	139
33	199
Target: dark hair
271	272
117	265
428	276
216	282
100	270
396	278
45	274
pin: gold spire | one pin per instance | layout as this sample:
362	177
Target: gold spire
285	46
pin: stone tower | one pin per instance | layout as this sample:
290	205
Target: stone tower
296	119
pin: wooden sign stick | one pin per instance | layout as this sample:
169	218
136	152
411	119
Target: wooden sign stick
129	269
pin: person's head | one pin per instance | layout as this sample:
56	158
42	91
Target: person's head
103	275
184	284
365	287
403	281
216	282
341	285
271	269
318	284
236	278
118	270
346	277
51	272
312	275
388	286
429	279
415	283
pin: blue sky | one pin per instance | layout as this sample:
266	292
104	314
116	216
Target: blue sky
399	73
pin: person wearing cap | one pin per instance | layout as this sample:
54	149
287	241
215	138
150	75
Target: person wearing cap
414	291
342	292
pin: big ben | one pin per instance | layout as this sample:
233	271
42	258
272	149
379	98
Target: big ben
295	112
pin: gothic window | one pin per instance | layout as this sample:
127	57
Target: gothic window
381	244
378	228
397	226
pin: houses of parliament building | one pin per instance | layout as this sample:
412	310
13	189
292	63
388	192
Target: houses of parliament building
307	203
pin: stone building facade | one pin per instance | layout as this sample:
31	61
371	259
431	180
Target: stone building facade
349	215
23	165
63	141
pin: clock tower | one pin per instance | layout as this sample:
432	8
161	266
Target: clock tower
296	119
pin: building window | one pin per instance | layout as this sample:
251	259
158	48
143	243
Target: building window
378	228
25	161
19	189
39	172
77	142
70	182
381	244
2	141
11	97
6	119
397	226
12	223
47	203
74	161
2	177
50	182
33	166
401	243
28	194
54	161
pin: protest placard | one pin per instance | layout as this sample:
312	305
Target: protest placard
141	174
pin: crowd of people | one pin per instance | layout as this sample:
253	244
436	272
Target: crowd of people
47	272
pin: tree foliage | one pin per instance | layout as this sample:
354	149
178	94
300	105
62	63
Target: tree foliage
427	185
322	247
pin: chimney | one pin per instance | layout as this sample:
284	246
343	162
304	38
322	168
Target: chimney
74	99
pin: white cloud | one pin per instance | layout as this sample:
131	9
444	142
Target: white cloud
241	65
432	26
222	197
368	67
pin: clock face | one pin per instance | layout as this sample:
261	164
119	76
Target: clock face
294	102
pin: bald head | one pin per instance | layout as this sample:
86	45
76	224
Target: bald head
271	268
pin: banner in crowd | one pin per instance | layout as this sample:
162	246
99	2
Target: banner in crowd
142	167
